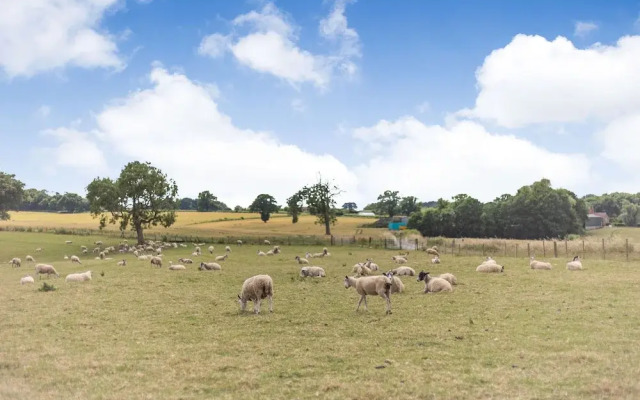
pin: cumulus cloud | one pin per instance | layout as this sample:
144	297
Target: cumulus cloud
437	161
534	80
75	149
620	141
271	46
41	35
583	28
177	126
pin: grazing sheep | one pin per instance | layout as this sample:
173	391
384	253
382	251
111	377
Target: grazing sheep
239	242
210	249
39	249
372	285
433	251
268	243
399	260
489	268
301	260
143	257
46	269
98	242
435	260
16	262
534	264
312	272
29	258
85	251
85	276
66	257
176	267
26	279
451	278
222	258
255	289
403	271
157	261
68	242
75	259
227	249
83	247
574	265
433	284
182	245
261	253
211	266
396	285
185	260
96	250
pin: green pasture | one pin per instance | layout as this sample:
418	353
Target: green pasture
139	332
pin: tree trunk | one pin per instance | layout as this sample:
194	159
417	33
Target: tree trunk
327	224
140	233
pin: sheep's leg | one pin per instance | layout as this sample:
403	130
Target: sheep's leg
365	303
359	302
388	299
256	306
270	303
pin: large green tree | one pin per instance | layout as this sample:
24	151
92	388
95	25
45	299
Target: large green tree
409	205
141	197
206	201
350	206
321	198
265	204
294	206
11	191
388	203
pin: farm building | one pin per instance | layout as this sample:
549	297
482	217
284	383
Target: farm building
398	223
597	220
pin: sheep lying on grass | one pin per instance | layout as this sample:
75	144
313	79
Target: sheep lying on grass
68	242
85	276
26	279
489	268
176	267
403	271
371	285
312	272
399	259
121	263
222	258
210	249
227	249
432	284
371	265
185	260
255	289
449	278
325	252
396	285
435	260
261	253
314	255
16	262
211	266
535	264
574	265
48	269
361	269
301	260
489	260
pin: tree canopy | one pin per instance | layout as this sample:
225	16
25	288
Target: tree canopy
141	197
265	204
388	203
320	199
11	191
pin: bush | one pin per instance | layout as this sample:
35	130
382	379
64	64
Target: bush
47	287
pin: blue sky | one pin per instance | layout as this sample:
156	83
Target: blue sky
430	98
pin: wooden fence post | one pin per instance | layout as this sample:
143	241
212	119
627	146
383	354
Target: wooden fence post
555	249
582	248
604	255
544	250
566	248
416	244
516	250
626	246
458	248
505	248
482	249
528	250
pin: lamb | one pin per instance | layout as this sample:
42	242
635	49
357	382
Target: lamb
222	258
16	262
227	249
98	242
29	258
85	276
261	253
75	259
435	260
432	284
301	260
325	252
157	261
489	268
574	265
255	289
534	264
210	249
26	279
176	267
451	278
372	285
403	271
399	260
121	263
211	266
312	272
185	260
46	269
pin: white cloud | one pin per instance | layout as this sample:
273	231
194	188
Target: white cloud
533	80
177	126
42	35
270	46
75	149
620	141
434	161
583	28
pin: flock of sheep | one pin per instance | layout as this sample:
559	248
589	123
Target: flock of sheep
260	287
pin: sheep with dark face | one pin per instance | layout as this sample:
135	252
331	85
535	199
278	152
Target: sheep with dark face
371	285
432	284
575	264
256	289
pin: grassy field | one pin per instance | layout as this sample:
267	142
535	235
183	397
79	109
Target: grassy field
138	332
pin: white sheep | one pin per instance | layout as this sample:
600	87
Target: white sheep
85	251
451	278
312	271
157	261
66	257
575	264
268	243
372	285
325	252
301	260
315	255
16	262
211	248
39	249
75	259
185	260
399	259
98	242
435	260
222	258
197	250
360	269
227	249
102	255
396	285
270	252
371	265
68	242
261	253
26	279
46	269
433	251
255	289
176	267
85	276
535	264
489	268
29	258
276	250
121	263
489	260
143	257
83	247
403	271
239	242
210	266
433	284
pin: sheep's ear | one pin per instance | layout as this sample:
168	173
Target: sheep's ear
239	297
